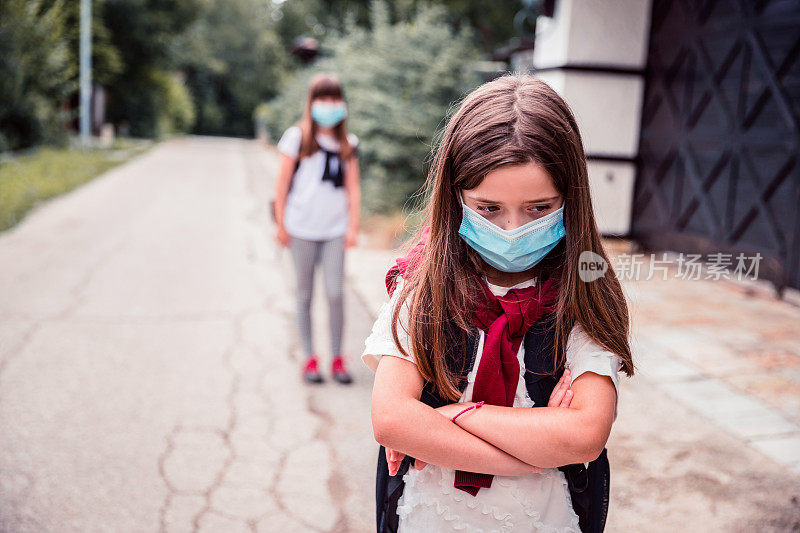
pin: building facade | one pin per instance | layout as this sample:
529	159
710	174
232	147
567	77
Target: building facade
690	113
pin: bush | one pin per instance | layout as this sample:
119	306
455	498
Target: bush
400	81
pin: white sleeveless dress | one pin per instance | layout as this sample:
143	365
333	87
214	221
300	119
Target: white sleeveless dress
534	502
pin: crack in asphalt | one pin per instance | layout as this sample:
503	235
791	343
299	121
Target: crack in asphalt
271	490
225	435
258	217
253	222
259	220
19	347
77	296
340	492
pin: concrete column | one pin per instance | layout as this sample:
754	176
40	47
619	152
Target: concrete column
593	54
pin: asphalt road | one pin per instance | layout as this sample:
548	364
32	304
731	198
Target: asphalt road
148	373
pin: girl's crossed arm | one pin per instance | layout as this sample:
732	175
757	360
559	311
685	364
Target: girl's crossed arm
401	422
547	437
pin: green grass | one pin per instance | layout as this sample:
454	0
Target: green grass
29	180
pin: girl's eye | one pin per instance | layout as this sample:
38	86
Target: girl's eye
541	208
488	208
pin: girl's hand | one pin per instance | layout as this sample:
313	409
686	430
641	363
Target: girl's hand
350	238
562	393
394	458
282	236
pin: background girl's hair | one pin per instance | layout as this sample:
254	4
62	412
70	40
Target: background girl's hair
512	120
322	85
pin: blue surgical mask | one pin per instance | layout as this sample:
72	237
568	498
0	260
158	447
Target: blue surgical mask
513	250
328	114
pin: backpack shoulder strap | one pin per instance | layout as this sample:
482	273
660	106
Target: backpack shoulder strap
388	490
588	487
296	166
589	491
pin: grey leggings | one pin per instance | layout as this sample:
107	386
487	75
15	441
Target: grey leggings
306	255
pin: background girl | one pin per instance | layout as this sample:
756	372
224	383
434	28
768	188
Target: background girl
317	210
489	307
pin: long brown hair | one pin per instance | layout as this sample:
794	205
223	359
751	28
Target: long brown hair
322	85
512	120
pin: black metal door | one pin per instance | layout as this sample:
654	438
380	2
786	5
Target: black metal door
718	167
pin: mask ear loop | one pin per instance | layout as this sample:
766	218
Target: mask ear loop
464	206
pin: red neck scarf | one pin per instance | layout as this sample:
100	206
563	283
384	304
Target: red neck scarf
504	320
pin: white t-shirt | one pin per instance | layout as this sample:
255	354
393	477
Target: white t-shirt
316	210
535	502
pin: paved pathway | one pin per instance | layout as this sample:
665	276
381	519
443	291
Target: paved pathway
147	375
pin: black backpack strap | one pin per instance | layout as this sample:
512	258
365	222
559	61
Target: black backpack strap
589	489
578	483
599	491
337	178
388	490
294	172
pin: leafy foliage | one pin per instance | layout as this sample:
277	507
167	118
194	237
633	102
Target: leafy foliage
35	72
204	65
493	21
144	32
106	58
233	60
400	80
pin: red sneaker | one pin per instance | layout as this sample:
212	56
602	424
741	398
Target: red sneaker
311	371
339	371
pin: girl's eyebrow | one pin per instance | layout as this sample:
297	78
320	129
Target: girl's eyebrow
543	200
540	200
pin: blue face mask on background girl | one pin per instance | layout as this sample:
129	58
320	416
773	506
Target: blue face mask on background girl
513	250
328	114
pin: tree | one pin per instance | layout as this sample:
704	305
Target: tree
493	21
35	72
145	31
106	59
400	80
233	60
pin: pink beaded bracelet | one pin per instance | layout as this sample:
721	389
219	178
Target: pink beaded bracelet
477	405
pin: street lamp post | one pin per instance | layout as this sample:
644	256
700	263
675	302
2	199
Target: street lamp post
86	71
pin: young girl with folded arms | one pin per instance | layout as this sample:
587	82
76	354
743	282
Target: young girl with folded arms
488	317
